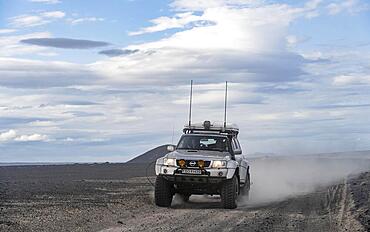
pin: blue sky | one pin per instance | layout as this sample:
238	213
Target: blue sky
106	80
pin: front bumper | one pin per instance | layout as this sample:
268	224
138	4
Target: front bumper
207	172
193	179
195	184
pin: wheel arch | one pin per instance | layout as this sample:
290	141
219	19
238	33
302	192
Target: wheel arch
237	173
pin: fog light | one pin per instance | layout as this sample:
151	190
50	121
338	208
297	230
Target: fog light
182	163
220	173
164	171
201	163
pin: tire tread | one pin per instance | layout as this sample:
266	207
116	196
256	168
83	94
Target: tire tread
163	192
228	196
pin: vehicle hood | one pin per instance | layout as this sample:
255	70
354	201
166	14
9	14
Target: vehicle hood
199	154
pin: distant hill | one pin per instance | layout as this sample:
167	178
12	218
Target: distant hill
150	156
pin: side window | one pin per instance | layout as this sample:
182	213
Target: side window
235	145
237	141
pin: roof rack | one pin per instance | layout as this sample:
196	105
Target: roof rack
207	127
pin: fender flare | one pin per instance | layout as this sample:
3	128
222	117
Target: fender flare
232	169
158	165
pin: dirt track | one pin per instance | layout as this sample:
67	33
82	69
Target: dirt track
324	210
35	199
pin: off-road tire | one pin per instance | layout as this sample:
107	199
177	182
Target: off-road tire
229	193
163	192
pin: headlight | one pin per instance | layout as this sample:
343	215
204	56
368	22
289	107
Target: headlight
169	161
219	164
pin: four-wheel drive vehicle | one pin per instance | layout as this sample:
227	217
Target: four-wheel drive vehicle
207	160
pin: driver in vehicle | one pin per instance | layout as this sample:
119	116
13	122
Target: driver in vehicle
221	145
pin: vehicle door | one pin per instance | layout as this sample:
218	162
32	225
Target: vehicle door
243	165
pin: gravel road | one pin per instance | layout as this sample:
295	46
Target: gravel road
95	198
327	209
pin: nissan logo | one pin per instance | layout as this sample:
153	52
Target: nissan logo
192	163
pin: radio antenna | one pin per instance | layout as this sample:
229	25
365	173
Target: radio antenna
173	133
191	101
225	105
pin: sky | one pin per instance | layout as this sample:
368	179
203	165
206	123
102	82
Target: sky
96	81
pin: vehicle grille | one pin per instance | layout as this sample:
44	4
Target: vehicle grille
188	163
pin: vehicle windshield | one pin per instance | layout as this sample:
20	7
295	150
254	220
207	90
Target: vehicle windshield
196	142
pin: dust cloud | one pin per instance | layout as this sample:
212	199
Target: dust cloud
276	179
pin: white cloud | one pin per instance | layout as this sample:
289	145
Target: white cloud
313	4
46	1
235	46
200	5
41	74
49	54
334	8
53	14
357	79
351	6
311	9
312	14
226	20
212	95
39	123
31	138
8	135
7	31
87	19
293	40
36	20
11	135
27	21
180	20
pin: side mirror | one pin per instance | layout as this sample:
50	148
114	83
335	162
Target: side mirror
238	152
170	148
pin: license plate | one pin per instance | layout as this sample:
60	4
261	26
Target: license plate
191	171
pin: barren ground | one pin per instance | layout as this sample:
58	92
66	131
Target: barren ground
108	197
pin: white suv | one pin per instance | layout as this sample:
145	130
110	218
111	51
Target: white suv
207	160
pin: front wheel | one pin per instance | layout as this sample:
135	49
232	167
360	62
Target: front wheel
163	192
229	193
